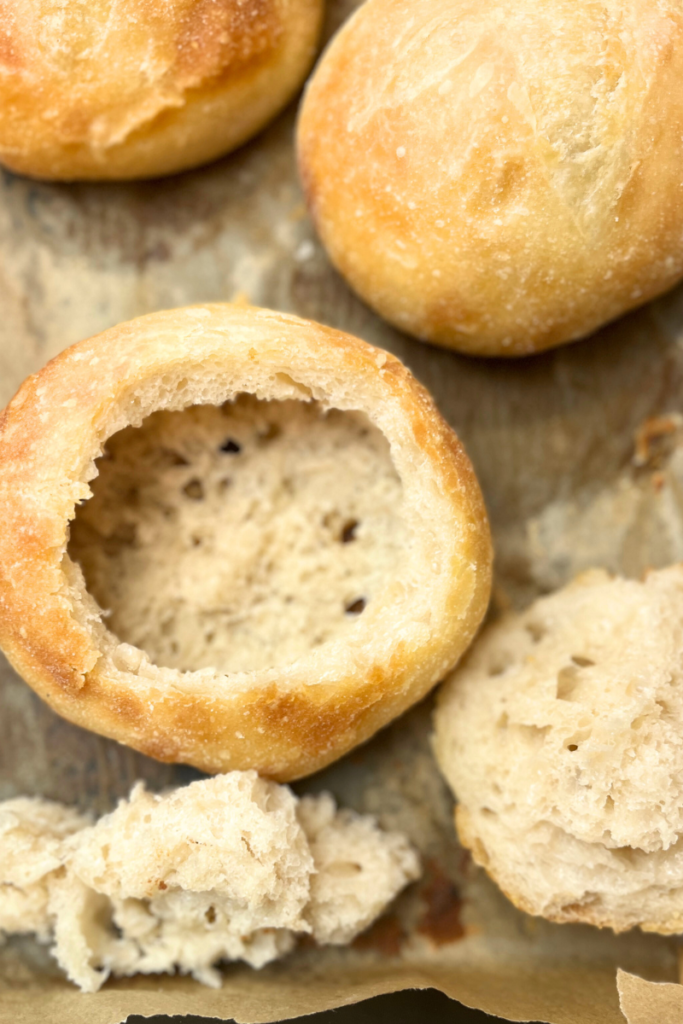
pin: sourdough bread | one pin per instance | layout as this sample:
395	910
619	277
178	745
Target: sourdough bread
235	538
229	868
562	738
115	89
500	176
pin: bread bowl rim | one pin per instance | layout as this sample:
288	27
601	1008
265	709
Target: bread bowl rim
289	721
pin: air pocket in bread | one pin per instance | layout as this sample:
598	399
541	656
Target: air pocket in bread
562	738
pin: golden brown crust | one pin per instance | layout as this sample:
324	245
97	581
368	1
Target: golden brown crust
286	722
500	179
136	89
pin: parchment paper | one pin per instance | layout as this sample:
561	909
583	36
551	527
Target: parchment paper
580	455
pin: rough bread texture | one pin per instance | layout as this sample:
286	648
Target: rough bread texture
231	868
562	738
235	538
133	88
500	177
359	869
32	845
239	538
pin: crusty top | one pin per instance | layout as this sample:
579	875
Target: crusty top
90	88
284	721
500	176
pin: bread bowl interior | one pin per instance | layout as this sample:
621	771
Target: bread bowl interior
240	537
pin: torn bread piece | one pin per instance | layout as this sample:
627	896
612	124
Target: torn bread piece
235	538
562	738
32	849
229	868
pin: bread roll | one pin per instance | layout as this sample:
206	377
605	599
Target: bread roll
500	177
230	868
109	89
278	544
562	737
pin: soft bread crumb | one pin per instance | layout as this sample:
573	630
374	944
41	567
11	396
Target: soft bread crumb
230	868
242	537
562	737
359	869
32	852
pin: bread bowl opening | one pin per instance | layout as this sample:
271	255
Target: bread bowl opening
240	537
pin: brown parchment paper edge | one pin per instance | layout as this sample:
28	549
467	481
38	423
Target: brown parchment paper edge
553	995
648	1002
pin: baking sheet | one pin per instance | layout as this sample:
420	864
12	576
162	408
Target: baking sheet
580	456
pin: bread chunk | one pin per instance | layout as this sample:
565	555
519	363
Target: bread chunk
32	853
562	738
358	868
236	539
230	868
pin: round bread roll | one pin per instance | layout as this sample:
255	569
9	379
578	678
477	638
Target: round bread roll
562	737
109	89
235	538
500	177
